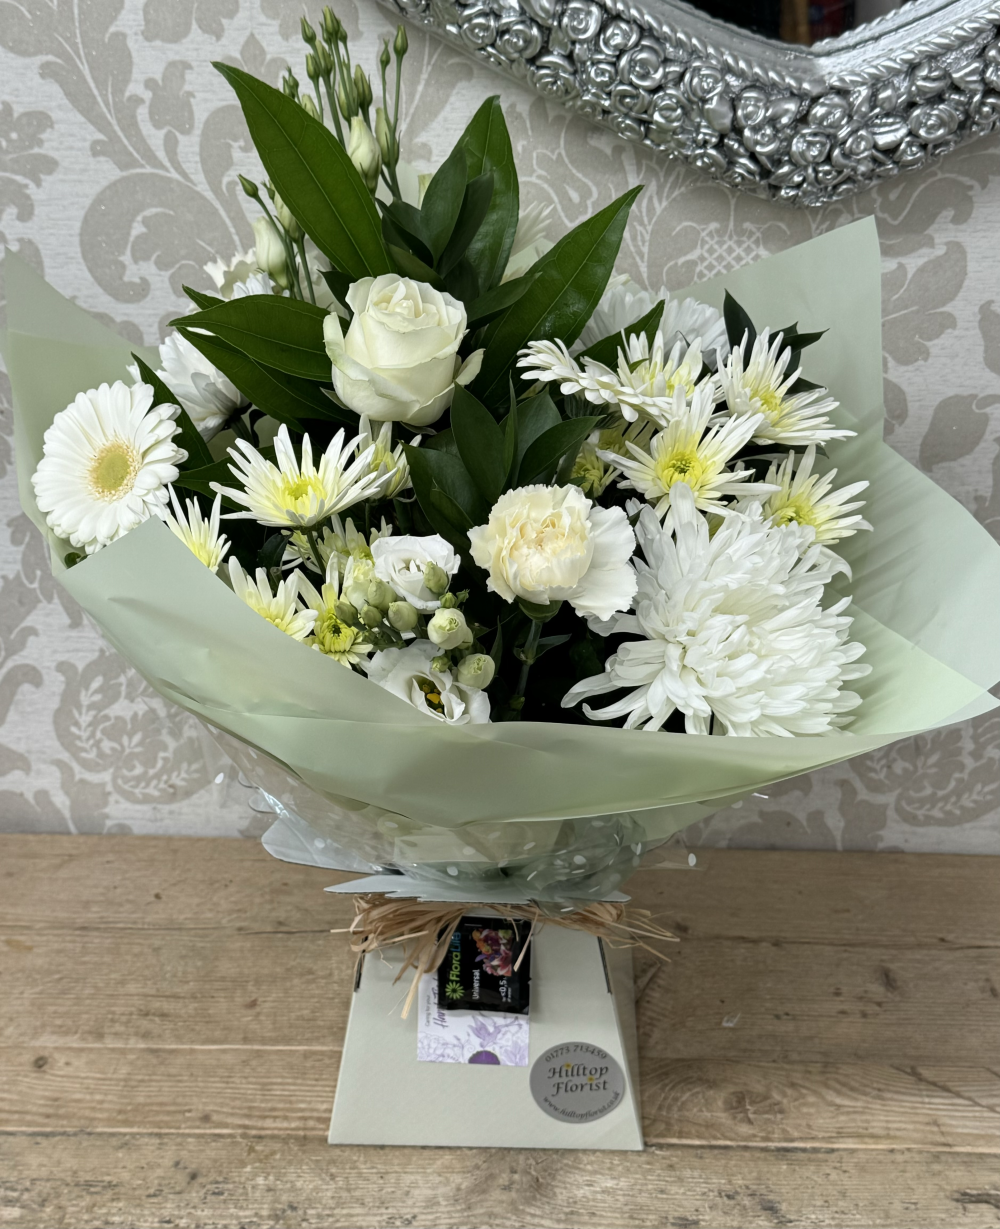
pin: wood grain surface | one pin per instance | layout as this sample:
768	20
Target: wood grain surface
822	1050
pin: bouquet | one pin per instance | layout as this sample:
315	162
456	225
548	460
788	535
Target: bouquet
485	564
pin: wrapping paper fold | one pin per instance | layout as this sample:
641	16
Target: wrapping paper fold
926	589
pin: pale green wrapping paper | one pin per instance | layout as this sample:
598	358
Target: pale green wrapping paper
387	782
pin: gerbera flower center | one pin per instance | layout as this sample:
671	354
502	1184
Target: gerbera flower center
114	469
431	694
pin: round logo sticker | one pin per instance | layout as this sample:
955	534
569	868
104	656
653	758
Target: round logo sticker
577	1082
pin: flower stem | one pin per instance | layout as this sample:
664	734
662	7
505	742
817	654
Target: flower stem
301	245
528	657
314	548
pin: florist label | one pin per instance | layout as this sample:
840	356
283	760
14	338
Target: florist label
577	1082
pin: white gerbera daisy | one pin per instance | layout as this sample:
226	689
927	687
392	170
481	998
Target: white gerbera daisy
294	492
806	498
693	453
342	641
280	608
227	276
733	629
107	459
209	397
201	537
762	386
644	382
623	303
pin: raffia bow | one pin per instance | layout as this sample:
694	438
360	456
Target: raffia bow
424	928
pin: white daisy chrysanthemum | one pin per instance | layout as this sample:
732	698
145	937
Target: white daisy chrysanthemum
387	463
530	240
762	386
228	275
298	493
732	629
201	537
209	397
623	303
333	637
256	283
693	451
645	380
806	498
106	462
280	608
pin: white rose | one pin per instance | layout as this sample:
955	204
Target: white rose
399	361
401	563
407	673
551	544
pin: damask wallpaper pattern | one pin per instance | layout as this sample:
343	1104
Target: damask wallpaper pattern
119	147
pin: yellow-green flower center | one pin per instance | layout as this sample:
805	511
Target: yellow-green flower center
114	469
772	404
431	694
795	509
294	491
681	464
333	636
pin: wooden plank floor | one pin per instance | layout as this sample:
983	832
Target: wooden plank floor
822	1051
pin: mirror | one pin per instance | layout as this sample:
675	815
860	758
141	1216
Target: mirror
803	101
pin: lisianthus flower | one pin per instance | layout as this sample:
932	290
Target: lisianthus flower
209	397
761	385
296	492
201	537
409	674
333	637
107	459
551	544
405	564
693	451
280	608
805	498
730	627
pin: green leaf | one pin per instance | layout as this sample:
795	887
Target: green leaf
606	350
444	504
201	480
412	266
493	302
285	398
283	333
738	323
189	438
200	299
480	444
569	282
403	228
339	284
432	470
475	206
535	415
487	148
543	456
510	441
315	178
496	652
442	201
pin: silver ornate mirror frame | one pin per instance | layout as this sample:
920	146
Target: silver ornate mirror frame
805	125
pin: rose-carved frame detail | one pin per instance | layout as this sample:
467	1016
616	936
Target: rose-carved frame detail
806	125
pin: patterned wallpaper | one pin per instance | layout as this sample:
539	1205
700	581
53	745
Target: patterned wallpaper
119	147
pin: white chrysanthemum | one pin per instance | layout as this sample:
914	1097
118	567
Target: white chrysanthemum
645	381
623	303
228	275
692	451
256	283
408	674
209	397
295	492
387	463
331	635
805	498
106	461
762	386
201	537
339	540
530	240
733	629
280	608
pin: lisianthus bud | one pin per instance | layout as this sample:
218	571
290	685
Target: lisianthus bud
270	252
476	671
380	595
250	188
287	219
357	594
402	43
308	33
436	579
363	151
384	137
346	612
309	106
402	616
441	664
448	629
449	601
371	616
363	87
385	59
